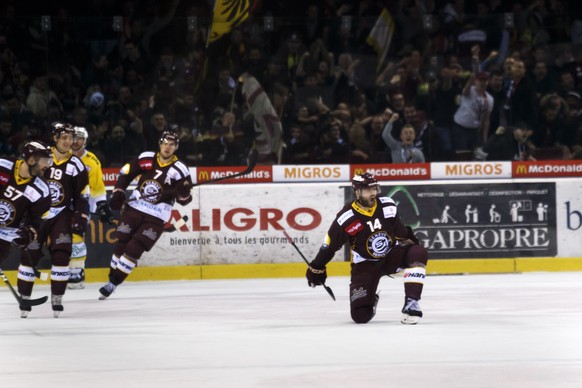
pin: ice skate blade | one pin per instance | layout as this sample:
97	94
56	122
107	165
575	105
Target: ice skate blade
76	286
56	313
24	314
409	319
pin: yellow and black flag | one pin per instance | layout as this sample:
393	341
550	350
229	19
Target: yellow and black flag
228	14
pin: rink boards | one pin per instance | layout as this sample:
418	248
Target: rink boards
470	226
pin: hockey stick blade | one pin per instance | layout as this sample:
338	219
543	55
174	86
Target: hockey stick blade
32	302
290	240
22	302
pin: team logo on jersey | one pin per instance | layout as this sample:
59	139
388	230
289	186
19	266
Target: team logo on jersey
151	191
7	212
378	244
57	192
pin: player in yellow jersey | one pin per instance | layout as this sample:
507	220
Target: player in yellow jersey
97	204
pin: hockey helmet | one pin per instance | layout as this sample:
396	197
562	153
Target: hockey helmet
38	149
81	133
360	181
62	128
170	136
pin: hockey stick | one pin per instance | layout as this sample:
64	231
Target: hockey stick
40	275
21	301
329	291
8	234
253	157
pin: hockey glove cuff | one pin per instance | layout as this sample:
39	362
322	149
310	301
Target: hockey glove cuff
184	201
315	277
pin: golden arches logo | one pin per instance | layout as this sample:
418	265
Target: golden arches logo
359	171
521	169
203	176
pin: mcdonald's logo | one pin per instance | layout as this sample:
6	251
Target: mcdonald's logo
359	171
203	176
521	169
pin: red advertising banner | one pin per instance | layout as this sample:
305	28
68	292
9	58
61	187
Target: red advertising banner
547	169
110	176
260	174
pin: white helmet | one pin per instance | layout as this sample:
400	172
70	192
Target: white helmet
81	133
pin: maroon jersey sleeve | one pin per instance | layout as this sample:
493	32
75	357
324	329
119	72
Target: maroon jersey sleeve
39	204
142	164
344	224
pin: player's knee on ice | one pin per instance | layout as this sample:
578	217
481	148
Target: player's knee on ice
363	305
362	314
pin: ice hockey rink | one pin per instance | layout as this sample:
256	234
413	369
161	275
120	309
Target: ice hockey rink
511	330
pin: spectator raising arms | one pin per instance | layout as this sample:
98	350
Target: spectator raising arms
403	151
471	121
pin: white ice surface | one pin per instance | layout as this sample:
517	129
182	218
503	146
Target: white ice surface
519	330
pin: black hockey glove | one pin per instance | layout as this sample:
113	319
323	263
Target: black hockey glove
183	193
411	235
26	235
104	212
184	201
117	199
79	223
315	277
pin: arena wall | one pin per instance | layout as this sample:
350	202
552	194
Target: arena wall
473	217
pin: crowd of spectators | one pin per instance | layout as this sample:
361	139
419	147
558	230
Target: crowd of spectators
484	80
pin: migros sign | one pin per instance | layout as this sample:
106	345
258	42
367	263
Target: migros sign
470	170
312	173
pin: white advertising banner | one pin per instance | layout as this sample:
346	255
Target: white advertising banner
312	173
569	217
470	170
243	224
